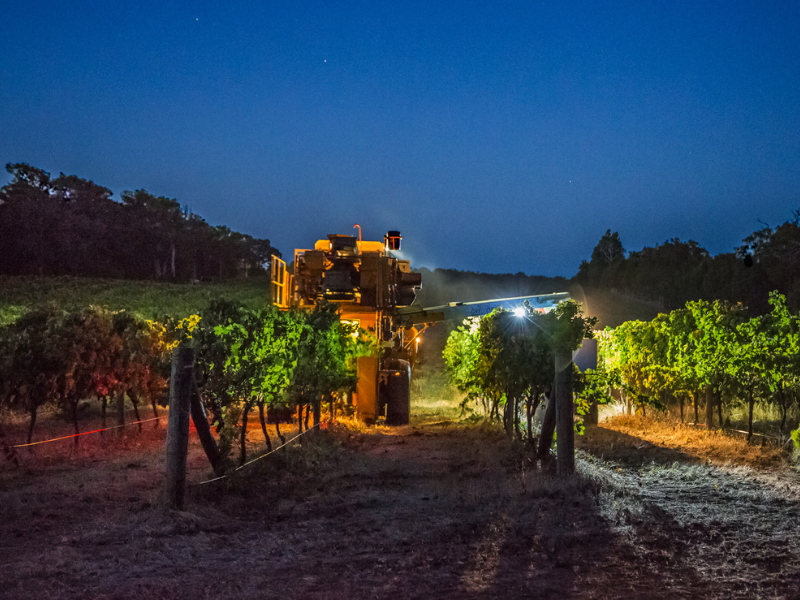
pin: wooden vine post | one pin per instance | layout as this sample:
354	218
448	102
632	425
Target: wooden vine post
180	394
569	330
565	423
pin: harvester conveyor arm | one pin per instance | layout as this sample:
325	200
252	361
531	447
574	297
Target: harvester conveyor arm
414	315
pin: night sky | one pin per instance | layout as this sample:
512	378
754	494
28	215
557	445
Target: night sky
497	136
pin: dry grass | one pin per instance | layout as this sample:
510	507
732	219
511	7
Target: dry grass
131	441
696	442
441	508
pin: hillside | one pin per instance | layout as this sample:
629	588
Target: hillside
149	298
153	299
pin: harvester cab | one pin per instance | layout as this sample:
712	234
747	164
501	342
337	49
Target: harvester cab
375	290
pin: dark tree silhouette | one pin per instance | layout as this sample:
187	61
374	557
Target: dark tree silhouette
72	226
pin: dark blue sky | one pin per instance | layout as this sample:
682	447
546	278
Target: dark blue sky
497	136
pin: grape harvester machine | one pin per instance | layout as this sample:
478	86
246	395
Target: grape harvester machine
375	289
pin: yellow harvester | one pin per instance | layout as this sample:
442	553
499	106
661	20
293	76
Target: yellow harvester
376	290
370	284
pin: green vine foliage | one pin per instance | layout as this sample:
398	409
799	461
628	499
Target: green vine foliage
502	360
708	345
461	360
269	358
50	356
244	358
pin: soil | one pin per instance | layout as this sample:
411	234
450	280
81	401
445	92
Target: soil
437	509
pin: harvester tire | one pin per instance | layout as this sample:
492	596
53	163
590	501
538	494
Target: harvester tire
397	390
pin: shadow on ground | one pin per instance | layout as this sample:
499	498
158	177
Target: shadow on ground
435	510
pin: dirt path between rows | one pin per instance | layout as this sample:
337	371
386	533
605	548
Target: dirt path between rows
433	510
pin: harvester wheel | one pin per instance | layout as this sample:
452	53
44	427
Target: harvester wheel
397	390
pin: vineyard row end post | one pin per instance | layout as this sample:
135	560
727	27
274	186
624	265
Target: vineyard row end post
180	393
565	422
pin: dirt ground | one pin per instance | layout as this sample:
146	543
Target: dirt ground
438	509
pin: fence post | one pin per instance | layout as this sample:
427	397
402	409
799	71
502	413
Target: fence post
180	391
565	422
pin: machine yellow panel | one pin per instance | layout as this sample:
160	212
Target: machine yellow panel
367	389
280	283
371	247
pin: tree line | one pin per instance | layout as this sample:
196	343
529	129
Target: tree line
67	225
709	353
246	360
676	272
